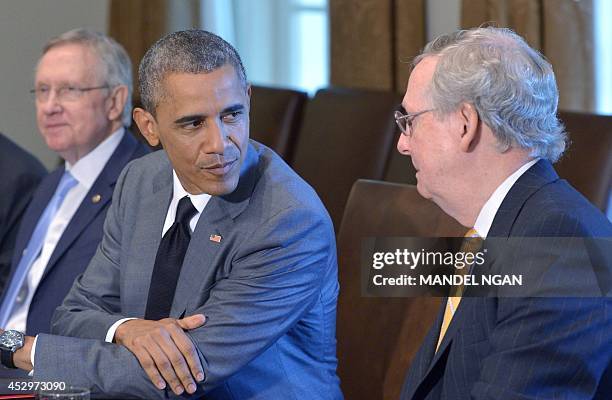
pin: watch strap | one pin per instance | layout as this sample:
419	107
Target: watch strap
7	358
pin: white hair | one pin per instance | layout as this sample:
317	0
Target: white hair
511	85
115	65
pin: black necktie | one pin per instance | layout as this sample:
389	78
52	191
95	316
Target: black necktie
168	262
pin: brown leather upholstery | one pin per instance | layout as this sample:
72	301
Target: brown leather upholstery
347	134
378	337
276	115
587	164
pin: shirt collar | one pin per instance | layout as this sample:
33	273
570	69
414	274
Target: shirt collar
488	211
87	169
199	200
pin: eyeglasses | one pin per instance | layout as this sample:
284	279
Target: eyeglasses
404	121
63	93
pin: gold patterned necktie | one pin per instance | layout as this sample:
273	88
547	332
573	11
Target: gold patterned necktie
472	242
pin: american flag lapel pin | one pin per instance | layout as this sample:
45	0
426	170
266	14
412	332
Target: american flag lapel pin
215	238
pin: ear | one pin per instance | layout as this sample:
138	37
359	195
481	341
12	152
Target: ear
469	125
249	92
117	100
147	125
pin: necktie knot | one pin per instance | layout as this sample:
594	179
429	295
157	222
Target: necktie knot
185	211
472	242
66	183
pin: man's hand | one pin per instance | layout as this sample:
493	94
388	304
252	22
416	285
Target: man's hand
22	357
164	350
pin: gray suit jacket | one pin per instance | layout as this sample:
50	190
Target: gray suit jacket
269	288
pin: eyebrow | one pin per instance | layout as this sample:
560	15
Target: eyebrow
198	117
233	108
401	108
189	118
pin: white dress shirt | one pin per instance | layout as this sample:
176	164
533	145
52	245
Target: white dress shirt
199	201
85	171
487	212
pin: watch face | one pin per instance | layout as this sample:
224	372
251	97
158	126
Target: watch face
10	339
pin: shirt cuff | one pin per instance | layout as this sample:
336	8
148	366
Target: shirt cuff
32	352
110	335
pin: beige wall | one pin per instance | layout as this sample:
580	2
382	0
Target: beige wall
25	25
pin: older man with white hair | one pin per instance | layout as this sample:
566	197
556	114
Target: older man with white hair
82	91
482	131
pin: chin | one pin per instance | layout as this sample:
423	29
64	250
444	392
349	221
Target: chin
222	188
57	146
422	191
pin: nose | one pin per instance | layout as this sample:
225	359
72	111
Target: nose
51	104
216	137
403	145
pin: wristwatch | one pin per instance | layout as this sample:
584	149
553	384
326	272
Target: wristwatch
10	342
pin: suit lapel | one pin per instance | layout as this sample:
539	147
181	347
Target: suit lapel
102	189
200	264
531	181
146	235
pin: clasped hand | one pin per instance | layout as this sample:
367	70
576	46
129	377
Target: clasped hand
164	350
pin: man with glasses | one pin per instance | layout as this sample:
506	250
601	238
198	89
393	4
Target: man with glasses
480	125
82	92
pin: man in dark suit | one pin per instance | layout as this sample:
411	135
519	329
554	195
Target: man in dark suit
214	228
20	173
481	128
83	88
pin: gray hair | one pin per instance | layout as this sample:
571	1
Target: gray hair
115	64
192	51
511	85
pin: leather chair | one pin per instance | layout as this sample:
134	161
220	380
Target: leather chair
587	163
346	135
276	115
378	337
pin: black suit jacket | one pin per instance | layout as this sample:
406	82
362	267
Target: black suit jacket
80	239
20	173
526	347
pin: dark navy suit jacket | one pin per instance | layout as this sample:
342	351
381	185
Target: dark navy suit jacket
525	347
20	174
80	239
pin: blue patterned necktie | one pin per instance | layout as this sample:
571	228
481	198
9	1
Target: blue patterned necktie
18	287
